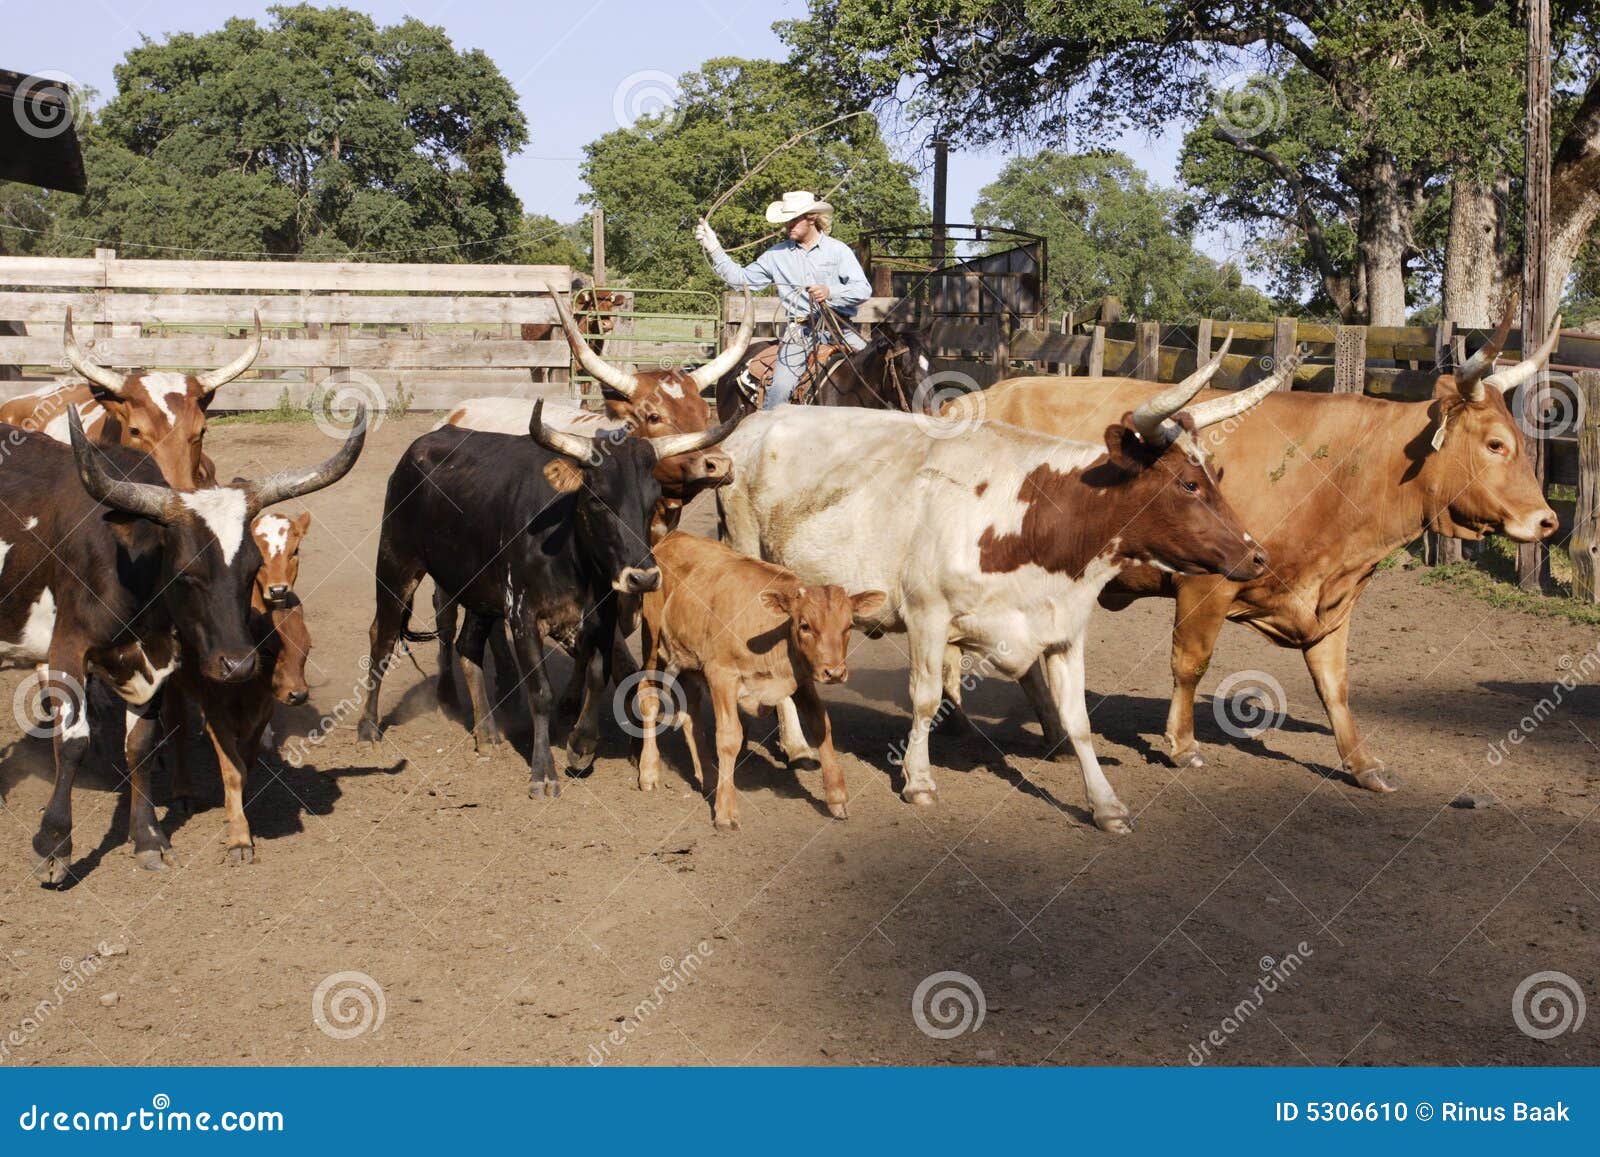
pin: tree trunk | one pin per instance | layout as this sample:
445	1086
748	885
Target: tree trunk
1386	226
1574	190
1475	274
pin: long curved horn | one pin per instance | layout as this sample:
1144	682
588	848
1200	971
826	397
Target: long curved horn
210	380
1152	419
558	441
593	364
1221	409
669	444
108	380
1528	368
1482	362
711	373
287	484
120	494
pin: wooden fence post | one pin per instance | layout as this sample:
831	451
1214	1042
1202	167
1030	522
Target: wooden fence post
1586	517
1350	359
1097	352
1147	351
1202	343
1283	331
1446	547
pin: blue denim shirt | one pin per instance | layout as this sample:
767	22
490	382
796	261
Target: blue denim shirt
790	268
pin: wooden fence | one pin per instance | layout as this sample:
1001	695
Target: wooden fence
1399	362
432	334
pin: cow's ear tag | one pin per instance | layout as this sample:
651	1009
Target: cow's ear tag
1438	435
563	475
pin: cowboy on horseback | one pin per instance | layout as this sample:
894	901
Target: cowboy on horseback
818	279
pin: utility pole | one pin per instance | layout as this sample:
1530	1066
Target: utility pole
599	218
941	181
1533	563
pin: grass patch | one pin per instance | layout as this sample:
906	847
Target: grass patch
286	411
1492	577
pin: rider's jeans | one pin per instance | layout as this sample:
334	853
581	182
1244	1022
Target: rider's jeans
791	364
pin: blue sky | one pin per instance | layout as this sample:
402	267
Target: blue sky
572	64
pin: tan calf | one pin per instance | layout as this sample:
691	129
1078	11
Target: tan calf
753	634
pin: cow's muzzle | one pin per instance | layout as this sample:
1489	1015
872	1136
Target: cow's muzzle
236	668
1248	567
277	594
636	580
834	674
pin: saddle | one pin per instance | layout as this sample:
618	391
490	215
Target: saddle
758	371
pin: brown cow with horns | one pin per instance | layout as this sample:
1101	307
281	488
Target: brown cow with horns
1333	484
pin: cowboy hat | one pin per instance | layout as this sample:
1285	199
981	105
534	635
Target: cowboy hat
795	204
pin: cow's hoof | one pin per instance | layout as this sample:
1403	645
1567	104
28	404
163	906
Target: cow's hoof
485	743
921	797
540	788
1373	780
839	811
242	855
1188	759
1117	823
727	825
367	732
579	762
647	785
153	859
51	871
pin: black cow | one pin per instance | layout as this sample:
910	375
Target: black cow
122	577
539	532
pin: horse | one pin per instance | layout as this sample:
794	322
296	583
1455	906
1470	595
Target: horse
891	373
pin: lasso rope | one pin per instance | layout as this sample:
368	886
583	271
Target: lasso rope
783	148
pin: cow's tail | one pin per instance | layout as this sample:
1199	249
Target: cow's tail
407	634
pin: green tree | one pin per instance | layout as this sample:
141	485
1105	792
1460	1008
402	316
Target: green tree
1421	93
658	177
546	241
1112	232
319	135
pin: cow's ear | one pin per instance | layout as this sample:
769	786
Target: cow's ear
775	601
303	523
867	601
1123	444
563	475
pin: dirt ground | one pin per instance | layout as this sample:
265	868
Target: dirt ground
616	926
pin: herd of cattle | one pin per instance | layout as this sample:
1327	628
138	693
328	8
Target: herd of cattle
125	564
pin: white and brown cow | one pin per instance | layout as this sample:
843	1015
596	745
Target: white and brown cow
989	539
159	414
